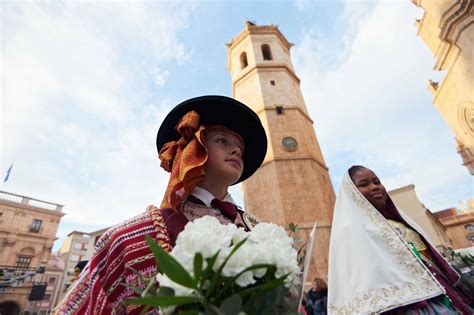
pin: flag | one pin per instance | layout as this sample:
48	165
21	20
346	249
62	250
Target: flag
8	173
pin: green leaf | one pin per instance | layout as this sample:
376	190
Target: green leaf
189	312
170	266
197	266
165	291
147	290
157	301
210	263
139	276
231	282
232	305
210	309
134	289
264	287
292	227
217	275
253	267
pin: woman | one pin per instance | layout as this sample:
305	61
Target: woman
380	261
317	298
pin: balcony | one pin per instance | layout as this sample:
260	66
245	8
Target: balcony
31	202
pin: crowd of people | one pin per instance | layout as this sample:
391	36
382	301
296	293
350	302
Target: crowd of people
380	261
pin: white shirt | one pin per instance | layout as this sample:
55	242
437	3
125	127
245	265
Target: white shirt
206	197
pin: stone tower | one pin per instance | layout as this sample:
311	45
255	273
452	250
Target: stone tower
293	184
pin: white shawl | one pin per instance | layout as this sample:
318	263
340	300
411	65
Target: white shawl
371	268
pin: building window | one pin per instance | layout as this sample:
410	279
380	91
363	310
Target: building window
469	227
470	237
243	60
279	110
272	82
52	280
267	54
23	262
80	245
35	225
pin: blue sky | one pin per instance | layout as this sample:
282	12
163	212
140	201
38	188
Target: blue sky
85	86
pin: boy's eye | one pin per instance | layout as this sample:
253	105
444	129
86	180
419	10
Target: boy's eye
222	140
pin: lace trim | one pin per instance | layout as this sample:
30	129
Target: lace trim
378	299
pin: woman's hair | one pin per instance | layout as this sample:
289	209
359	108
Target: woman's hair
354	168
320	283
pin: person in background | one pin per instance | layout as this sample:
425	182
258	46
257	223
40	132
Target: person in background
380	261
316	303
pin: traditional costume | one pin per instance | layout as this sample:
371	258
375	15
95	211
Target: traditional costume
381	262
122	251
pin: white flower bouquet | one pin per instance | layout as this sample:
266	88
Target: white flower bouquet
222	269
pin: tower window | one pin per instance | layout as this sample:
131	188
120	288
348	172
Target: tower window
243	60
266	52
279	110
272	82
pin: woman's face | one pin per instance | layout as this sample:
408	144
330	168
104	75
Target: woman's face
371	187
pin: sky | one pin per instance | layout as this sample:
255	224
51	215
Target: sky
85	86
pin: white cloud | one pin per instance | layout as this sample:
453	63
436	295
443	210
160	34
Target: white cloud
161	77
373	106
77	79
302	4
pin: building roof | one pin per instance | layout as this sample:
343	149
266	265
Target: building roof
447	213
78	232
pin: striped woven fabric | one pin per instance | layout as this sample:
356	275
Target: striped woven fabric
100	289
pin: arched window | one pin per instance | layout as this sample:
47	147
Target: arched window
469	227
470	237
266	52
243	60
27	251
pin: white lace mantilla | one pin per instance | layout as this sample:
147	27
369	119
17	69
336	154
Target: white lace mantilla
381	295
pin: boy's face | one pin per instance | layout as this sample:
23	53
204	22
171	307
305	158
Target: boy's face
224	163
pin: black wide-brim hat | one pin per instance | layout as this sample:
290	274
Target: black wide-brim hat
224	111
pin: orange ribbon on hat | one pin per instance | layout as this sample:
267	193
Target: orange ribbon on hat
185	159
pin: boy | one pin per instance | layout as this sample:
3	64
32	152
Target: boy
207	144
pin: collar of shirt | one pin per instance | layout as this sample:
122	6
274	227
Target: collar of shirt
206	197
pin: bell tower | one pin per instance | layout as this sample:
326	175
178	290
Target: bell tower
293	184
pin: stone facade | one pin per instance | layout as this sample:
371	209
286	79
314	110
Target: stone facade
28	229
93	238
53	277
405	198
293	184
459	225
73	250
447	28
